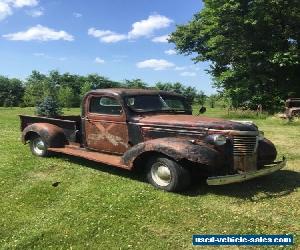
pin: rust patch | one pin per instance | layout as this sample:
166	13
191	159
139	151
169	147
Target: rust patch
53	136
178	149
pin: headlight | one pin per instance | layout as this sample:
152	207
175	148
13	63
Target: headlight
218	140
261	135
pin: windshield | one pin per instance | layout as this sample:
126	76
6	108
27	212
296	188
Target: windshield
293	104
158	103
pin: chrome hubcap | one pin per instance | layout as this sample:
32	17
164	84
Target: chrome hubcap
39	146
161	174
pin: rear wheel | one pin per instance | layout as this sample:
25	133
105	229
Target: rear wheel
38	146
167	174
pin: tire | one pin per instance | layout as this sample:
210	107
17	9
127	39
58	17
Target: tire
168	175
38	147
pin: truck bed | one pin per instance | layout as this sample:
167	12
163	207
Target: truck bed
70	124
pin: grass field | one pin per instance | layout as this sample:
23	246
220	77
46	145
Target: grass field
100	207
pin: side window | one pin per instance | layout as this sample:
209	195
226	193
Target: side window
174	104
105	105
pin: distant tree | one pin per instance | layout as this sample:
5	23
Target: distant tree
35	88
66	97
253	47
86	87
190	93
212	99
11	92
200	98
101	82
49	107
176	87
135	84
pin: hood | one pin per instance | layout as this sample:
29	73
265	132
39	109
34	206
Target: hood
189	121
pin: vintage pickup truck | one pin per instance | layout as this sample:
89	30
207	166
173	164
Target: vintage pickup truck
292	108
156	131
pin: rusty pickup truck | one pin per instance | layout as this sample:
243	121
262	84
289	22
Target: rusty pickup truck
292	108
156	131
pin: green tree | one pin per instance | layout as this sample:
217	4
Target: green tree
86	87
135	84
11	92
49	107
212	99
35	88
190	93
101	82
253	47
66	97
200	98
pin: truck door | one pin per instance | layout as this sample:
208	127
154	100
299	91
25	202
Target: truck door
105	125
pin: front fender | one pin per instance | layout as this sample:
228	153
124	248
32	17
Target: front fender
177	149
52	135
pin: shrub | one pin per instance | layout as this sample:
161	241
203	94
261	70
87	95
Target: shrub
49	107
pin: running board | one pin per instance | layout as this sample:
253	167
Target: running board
114	160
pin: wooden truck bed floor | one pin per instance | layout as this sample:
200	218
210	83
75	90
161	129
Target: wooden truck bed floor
114	160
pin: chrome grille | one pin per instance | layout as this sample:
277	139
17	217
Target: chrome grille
244	144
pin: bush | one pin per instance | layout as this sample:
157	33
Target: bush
49	107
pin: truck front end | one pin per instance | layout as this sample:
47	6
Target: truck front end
247	154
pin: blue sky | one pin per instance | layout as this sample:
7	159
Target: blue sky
115	38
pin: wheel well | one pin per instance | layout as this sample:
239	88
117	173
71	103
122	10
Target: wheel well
140	161
30	135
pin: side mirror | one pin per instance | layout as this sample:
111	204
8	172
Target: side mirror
202	110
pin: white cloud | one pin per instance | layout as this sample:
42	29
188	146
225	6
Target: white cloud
35	12
161	39
187	73
7	6
24	3
143	28
113	38
98	33
180	68
5	10
170	52
106	36
39	33
77	15
156	64
99	60
147	26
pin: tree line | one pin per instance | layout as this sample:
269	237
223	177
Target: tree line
253	47
68	89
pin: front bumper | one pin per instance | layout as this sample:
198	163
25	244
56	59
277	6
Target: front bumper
227	179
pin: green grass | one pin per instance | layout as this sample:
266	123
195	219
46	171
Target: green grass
100	207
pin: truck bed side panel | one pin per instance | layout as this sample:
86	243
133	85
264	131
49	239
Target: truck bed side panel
71	125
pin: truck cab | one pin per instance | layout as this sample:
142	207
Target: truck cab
292	108
155	131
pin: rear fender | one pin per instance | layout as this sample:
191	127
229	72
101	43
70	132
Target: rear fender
177	149
52	135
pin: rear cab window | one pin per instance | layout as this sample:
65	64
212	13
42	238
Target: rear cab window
105	105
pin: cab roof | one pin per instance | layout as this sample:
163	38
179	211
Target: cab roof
129	92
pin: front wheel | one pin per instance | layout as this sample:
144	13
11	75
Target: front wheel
167	174
38	146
